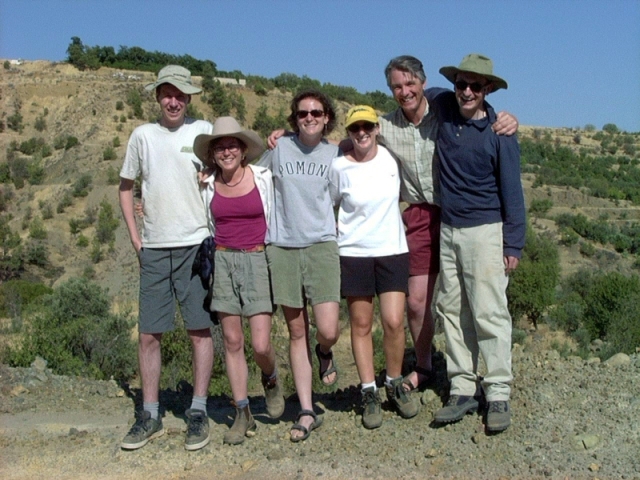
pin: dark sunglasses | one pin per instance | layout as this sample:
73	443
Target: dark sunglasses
475	87
302	114
368	127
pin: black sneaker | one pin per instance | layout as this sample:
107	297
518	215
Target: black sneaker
197	429
144	429
498	416
371	408
456	408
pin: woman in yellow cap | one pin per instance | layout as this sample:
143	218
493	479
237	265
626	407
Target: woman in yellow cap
374	258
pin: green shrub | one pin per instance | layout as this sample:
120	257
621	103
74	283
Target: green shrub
107	223
113	177
587	249
70	142
37	230
40	124
624	329
46	211
109	154
77	335
119	105
540	207
115	142
59	142
65	201
531	288
22	291
36	253
82	242
82	186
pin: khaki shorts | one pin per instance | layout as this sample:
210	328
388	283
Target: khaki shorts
241	284
311	273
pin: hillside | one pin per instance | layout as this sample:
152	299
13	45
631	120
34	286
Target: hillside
85	105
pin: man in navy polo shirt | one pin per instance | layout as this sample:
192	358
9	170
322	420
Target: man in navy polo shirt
481	240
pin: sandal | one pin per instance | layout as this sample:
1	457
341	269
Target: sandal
324	373
421	385
317	421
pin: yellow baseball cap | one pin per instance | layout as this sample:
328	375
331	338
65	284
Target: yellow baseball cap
361	113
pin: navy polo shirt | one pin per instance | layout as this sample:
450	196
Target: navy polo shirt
479	172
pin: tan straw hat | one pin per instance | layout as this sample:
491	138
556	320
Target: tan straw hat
228	127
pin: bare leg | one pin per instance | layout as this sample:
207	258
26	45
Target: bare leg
236	363
420	319
263	351
202	358
361	316
392	313
327	315
300	357
150	361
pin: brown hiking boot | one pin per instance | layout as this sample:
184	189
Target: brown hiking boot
273	396
243	426
407	405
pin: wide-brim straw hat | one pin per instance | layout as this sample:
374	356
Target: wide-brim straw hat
475	63
228	127
177	76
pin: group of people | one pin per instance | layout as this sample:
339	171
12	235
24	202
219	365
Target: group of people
277	242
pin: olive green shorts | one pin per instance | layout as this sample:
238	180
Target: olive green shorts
241	284
311	273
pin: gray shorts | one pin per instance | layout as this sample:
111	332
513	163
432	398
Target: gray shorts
241	284
166	276
311	272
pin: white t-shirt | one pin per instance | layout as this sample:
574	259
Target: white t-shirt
369	220
173	212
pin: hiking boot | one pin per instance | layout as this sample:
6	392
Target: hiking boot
197	429
498	416
273	396
371	408
144	429
456	408
407	405
243	425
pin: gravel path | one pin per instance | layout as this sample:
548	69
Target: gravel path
572	418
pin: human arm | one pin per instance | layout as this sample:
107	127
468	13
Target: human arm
505	124
512	201
510	263
125	194
272	139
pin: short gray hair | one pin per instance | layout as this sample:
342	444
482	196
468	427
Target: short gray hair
405	63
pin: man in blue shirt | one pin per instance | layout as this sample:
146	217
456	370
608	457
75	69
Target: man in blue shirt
481	240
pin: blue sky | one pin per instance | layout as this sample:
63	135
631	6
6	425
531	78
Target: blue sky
568	62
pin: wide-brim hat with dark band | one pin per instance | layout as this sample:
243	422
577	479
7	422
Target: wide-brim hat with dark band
475	63
177	76
228	127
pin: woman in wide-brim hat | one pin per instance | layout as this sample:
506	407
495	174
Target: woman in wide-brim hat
238	198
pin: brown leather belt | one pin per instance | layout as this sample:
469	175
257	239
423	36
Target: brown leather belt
257	248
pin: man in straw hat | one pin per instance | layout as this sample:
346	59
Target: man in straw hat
481	240
410	133
174	226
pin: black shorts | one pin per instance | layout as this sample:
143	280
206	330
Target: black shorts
370	276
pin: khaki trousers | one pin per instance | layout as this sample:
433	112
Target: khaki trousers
472	302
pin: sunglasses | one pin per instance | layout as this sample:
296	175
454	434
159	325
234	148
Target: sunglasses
302	114
220	149
368	127
475	87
